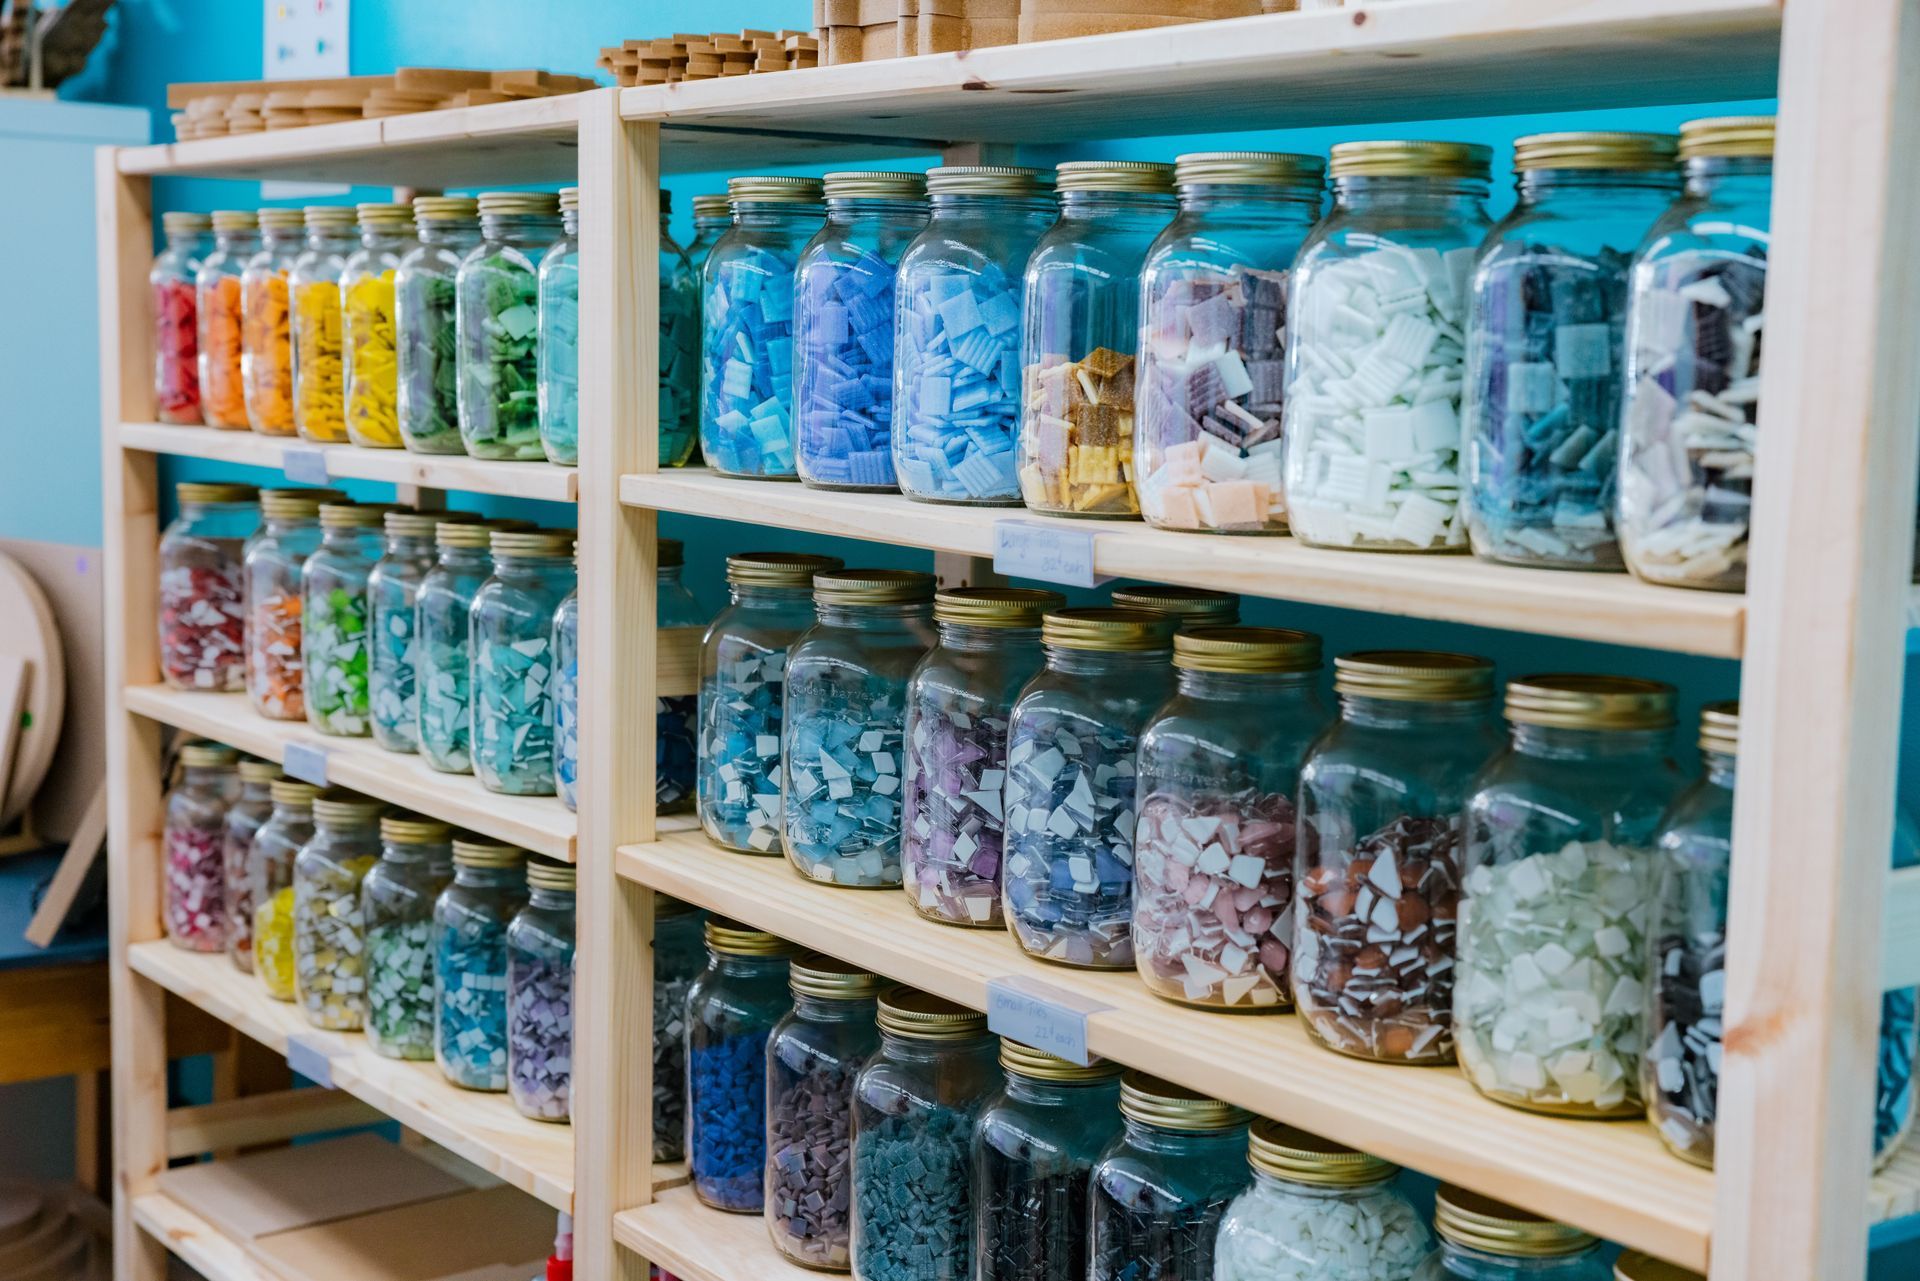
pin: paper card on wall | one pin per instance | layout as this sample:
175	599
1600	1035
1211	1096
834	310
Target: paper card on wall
1047	552
1036	1013
306	762
304	40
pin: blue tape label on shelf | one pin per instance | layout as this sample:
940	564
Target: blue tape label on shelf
312	1057
306	762
1036	1013
304	466
1049	553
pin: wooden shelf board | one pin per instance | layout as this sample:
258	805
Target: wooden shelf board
533	1156
678	1234
1351	65
1895	1191
537	823
1615	608
215	1255
350	462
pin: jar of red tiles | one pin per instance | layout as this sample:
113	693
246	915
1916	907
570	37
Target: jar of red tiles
202	617
1214	845
193	838
1382	798
176	342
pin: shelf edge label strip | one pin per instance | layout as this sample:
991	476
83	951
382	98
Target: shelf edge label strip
1036	1013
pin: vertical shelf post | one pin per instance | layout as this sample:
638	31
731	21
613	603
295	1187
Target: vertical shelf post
1820	686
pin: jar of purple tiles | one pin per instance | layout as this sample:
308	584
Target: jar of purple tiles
540	995
843	329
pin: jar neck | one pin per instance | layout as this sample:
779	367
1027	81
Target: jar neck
736	966
855	211
972	639
1721	767
872	617
1426	194
570	222
1153	1138
521	229
349	538
1398	713
1096	662
711	226
919	1051
200	777
1080	206
763	214
1535	185
1254	201
527	567
292	814
1551	742
291	524
1731	177
667	575
457	231
977	205
368	831
753	597
408	545
1028	1089
384	238
832	1009
281	238
412	853
330	241
256	792
184	242
1318	1191
551	898
488	878
213	511
475	558
1239	686
236	242
1486	1263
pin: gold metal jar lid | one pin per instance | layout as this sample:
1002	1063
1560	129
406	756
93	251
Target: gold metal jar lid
1412	675
730	938
296	504
185	223
404	523
1037	1065
338	807
1246	649
474	536
671	552
1409	158
922	1016
872	587
1492	1227
351	515
470	850
761	189
870	184
1108	630
1005	607
1720	728
1141	176
255	770
1166	1106
1193	606
1595	149
203	491
831	979
328	217
714	204
518	204
551	874
445	208
412	829
778	569
1572	701
1249	169
531	542
282	219
205	755
1634	1266
988	180
385	213
292	791
1299	1157
1727	136
570	200
235	220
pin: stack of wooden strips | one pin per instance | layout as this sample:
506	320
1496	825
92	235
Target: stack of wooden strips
666	59
211	109
865	30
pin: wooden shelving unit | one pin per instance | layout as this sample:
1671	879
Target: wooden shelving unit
1818	634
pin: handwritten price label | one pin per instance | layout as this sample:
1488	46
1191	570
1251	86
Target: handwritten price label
306	762
312	1057
1049	553
1036	1013
305	466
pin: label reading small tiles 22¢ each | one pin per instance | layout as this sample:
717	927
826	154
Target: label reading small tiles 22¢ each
1038	1014
1046	553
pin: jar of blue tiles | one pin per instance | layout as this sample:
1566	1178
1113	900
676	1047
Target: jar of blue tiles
746	327
679	345
443	649
914	1110
841	741
513	668
956	350
1072	743
396	902
843	329
393	588
540	995
558	337
1546	347
679	955
1484	1240
743	681
731	1012
1162	1187
470	921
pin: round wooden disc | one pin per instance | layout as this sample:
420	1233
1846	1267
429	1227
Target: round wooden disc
27	630
20	1209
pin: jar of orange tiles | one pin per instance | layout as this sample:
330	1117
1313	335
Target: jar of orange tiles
266	344
319	377
236	238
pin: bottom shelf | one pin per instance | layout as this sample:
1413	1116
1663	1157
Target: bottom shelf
680	1235
216	1256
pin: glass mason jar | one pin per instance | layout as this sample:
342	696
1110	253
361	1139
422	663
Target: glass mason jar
333	628
731	1011
513	674
540	995
1694	334
426	323
266	322
679	385
1190	607
1484	1240
319	346
557	353
813	1056
712	217
270	882
443	649
746	327
956	337
959	698
1550	992
914	1109
743	681
396	904
176	330
1546	344
1071	744
193	834
393	587
1034	1149
1373	391
217	309
1382	800
370	324
843	733
678	957
470	920
1161	1188
843	329
329	933
244	817
1213	853
1081	319
498	298
1635	1266
1317	1210
273	594
1213	317
202	594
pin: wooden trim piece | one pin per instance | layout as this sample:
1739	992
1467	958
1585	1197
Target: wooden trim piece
164	1224
695	1243
264	1118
